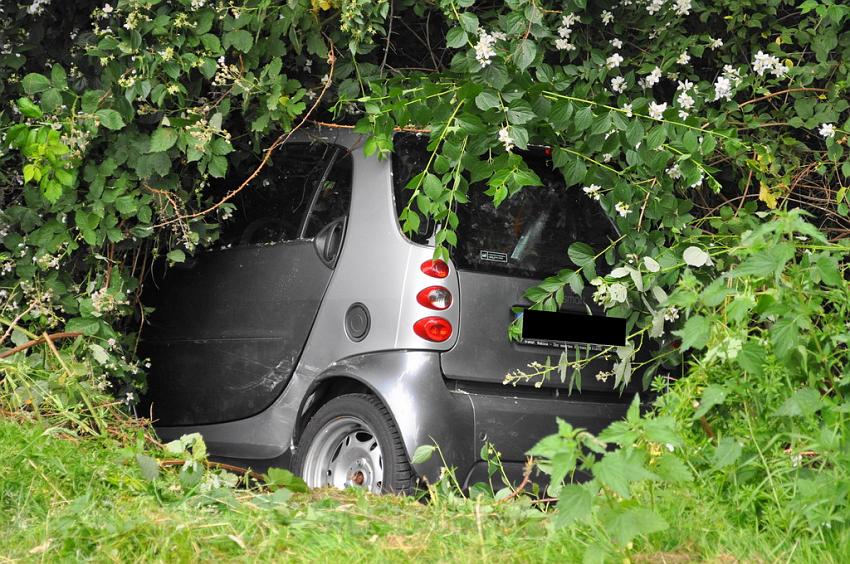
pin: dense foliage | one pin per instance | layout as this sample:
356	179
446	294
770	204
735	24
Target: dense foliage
714	134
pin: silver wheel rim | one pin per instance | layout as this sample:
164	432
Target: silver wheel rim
345	453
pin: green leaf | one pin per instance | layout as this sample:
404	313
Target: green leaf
574	504
28	108
574	170
84	325
727	452
657	136
176	256
619	468
217	166
58	77
239	39
628	524
671	468
520	113
583	118
635	133
148	466
766	262
456	38
711	396
487	100
110	119
802	403
469	22
34	83
51	99
162	139
281	478
695	333
524	54
784	334
582	255
751	358
422	454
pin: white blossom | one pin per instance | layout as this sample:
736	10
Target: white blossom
714	43
685	85
654	6
674	172
627	108
107	8
506	139
484	51
683	7
613	61
827	130
685	101
623	209
607	17
732	74
602	376
37	7
656	110
762	63
722	88
651	79
618	292
618	84
592	191
671	313
684	58
616	43
569	20
564	45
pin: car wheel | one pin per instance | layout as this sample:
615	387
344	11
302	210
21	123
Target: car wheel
352	441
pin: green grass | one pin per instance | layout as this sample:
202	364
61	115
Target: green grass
66	498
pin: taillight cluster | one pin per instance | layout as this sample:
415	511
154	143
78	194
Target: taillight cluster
434	328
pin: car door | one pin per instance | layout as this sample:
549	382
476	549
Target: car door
230	323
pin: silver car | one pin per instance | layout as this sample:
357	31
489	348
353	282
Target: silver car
318	336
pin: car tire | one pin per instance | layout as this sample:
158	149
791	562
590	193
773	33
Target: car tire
352	441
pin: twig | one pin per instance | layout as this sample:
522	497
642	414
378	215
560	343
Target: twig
389	36
526	479
282	139
14	324
219	465
779	93
34	342
706	426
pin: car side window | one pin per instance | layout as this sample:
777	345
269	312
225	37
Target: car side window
333	197
272	208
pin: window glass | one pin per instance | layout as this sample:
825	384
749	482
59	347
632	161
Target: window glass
528	234
409	158
272	208
333	197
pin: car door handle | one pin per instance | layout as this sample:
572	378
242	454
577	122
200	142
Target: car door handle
329	241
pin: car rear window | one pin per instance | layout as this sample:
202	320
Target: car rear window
528	234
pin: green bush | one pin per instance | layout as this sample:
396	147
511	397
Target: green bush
713	133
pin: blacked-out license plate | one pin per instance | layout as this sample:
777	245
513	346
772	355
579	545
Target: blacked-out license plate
559	328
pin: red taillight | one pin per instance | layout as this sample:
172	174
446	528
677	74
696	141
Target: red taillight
434	329
435	297
436	268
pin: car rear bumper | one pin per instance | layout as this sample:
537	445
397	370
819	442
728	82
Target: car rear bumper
513	421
